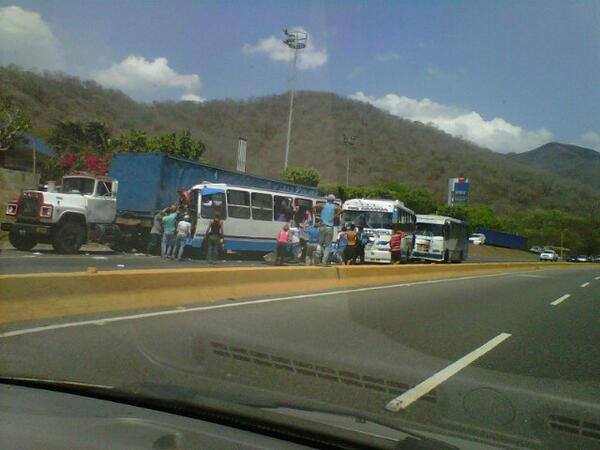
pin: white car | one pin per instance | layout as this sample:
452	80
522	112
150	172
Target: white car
548	255
477	239
378	251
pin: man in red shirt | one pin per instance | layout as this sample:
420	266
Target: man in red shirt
396	245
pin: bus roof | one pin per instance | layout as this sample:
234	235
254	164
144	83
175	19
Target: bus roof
434	218
250	188
370	204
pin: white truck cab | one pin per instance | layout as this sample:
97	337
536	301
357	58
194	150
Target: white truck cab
62	216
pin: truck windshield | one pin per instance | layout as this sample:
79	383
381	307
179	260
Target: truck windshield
78	186
430	229
369	219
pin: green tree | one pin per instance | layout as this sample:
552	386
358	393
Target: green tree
302	175
13	123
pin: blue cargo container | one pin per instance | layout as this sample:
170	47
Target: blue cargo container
148	182
501	239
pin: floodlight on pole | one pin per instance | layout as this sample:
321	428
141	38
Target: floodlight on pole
295	40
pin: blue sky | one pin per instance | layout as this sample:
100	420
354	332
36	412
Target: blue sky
507	75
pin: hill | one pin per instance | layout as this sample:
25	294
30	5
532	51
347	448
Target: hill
388	148
566	160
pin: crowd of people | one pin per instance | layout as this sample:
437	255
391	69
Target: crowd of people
311	241
306	237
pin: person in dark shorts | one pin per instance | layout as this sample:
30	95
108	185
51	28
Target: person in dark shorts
350	250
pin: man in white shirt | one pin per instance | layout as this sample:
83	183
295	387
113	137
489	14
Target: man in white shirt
184	231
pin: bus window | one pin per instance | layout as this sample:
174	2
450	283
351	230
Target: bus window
262	206
283	209
302	205
213	203
238	204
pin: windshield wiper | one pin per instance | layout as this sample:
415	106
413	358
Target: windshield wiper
261	416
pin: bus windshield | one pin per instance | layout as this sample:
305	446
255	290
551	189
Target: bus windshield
430	229
369	219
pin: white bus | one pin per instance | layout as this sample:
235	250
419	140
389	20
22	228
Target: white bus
441	239
379	218
252	217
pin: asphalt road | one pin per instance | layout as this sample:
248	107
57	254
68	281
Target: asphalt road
500	355
43	261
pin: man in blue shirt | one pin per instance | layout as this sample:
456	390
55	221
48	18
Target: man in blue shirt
328	211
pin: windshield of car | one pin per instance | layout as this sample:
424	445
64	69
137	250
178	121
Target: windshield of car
179	181
77	186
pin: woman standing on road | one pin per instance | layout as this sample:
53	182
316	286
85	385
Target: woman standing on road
283	238
214	237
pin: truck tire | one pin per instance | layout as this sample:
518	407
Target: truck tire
23	243
68	238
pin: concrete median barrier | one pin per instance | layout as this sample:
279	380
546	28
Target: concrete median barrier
39	296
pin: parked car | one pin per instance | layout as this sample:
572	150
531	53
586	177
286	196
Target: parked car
548	255
477	239
582	258
536	249
597	258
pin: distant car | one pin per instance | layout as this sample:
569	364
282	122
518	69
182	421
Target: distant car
571	258
548	255
582	258
536	249
477	239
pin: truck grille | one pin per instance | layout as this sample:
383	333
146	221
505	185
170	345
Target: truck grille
29	206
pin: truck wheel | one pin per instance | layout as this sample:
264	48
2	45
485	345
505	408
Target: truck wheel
23	243
68	238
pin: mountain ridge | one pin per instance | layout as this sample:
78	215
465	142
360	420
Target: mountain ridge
388	148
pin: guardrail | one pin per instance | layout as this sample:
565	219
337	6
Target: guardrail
36	296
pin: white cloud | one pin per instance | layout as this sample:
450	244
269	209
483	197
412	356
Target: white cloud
496	134
138	76
388	56
591	139
26	40
309	58
192	98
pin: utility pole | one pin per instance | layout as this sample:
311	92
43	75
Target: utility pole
295	40
562	232
348	142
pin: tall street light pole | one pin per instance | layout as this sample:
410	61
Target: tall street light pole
348	142
295	40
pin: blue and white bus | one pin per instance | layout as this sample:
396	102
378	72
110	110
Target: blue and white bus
252	217
441	239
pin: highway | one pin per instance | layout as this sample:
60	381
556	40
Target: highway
45	260
493	356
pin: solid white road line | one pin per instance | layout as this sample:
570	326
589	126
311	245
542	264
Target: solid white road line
233	305
585	284
432	382
559	300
